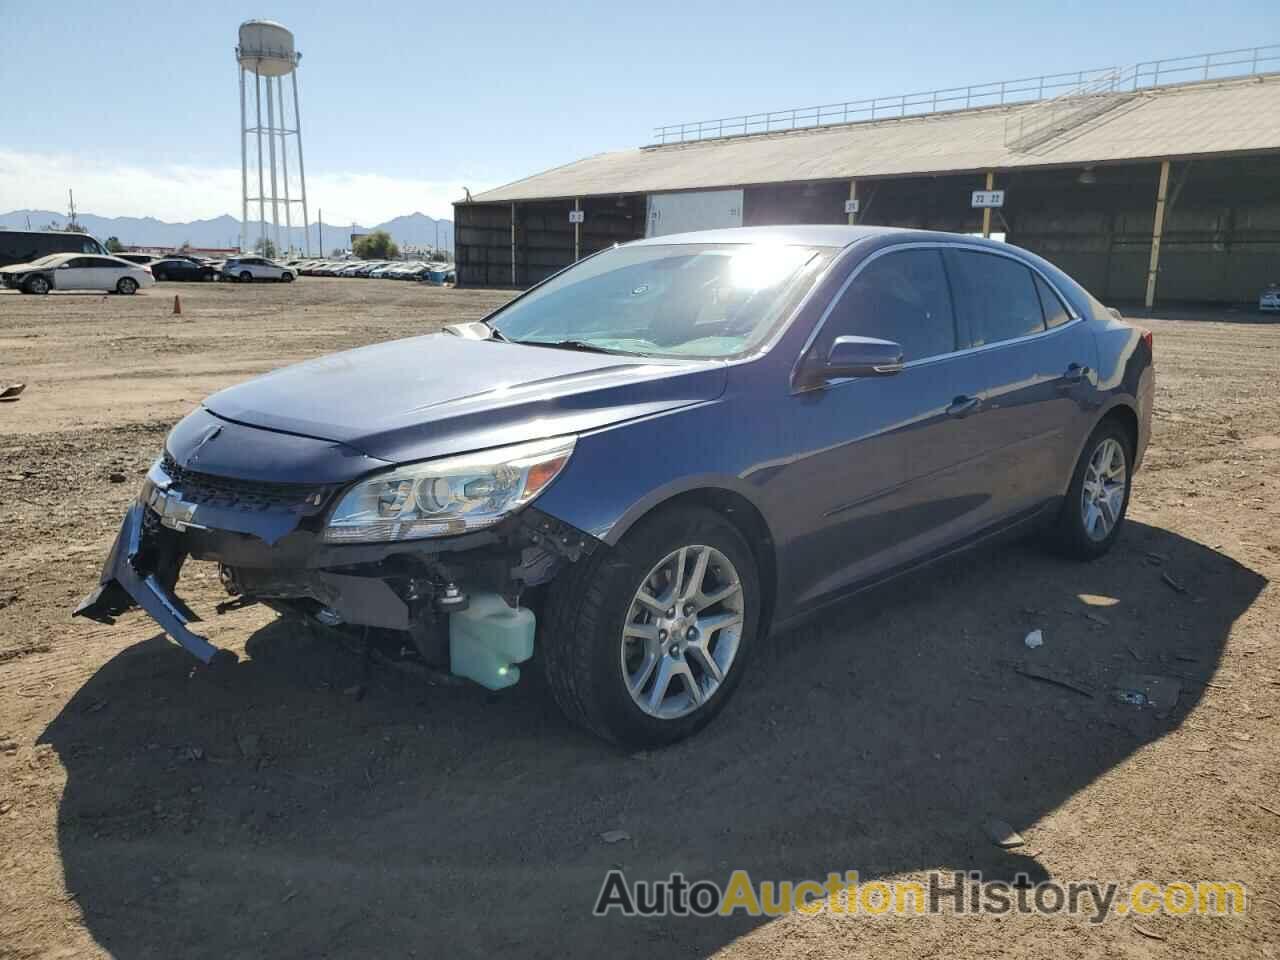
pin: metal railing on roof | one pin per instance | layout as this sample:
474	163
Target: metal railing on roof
1221	64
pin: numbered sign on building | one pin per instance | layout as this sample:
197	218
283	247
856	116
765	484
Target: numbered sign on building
576	216
988	198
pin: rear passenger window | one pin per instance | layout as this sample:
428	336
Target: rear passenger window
999	297
1055	313
901	297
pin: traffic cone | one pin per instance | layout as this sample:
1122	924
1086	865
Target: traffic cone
177	305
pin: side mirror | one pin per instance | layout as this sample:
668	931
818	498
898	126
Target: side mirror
862	357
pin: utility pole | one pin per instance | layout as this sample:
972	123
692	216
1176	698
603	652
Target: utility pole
320	227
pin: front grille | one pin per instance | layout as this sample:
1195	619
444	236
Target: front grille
250	495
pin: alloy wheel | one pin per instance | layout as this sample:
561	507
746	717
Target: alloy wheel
682	632
1103	491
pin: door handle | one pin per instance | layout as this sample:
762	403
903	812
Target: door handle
1075	373
963	406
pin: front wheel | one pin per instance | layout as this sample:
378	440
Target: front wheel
286	278
245	276
36	285
644	644
1098	497
127	286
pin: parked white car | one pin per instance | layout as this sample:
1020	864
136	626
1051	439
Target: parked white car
74	271
257	268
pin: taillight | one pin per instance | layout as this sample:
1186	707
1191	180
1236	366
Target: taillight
146	269
1147	338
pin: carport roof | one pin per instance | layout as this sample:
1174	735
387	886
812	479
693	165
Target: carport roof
1197	119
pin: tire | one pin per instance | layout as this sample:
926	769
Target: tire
246	276
1086	534
286	278
37	285
127	286
590	665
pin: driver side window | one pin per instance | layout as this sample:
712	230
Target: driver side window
901	296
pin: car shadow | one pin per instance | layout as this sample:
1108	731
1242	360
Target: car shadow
273	810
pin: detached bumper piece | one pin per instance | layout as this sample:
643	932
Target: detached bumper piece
137	573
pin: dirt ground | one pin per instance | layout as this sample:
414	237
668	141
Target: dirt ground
148	809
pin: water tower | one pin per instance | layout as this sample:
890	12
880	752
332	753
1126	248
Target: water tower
266	54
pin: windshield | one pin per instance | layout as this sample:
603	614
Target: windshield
679	300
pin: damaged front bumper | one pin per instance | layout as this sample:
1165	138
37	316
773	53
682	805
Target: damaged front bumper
272	551
126	580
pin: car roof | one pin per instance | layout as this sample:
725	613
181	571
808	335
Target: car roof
812	235
815	235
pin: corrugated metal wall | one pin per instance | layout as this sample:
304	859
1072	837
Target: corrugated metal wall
1221	241
544	237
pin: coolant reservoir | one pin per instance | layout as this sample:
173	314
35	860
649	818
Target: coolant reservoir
487	639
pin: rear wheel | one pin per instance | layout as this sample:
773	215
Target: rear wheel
1098	497
127	285
644	644
37	285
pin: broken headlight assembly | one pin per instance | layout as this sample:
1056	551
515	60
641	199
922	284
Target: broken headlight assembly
442	498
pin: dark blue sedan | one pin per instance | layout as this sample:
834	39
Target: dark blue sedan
639	467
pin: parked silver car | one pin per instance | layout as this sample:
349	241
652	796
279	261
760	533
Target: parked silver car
248	269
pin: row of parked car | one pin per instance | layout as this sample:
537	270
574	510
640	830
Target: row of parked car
435	273
37	261
128	273
188	266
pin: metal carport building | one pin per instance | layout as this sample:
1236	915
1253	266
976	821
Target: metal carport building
1160	180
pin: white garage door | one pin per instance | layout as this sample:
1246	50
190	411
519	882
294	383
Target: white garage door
701	210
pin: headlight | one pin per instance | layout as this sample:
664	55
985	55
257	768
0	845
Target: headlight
442	498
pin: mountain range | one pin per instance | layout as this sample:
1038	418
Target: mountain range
415	229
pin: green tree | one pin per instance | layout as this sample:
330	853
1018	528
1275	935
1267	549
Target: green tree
265	248
114	245
376	246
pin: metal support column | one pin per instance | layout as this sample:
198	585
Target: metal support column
513	244
853	196
577	232
302	168
1157	231
284	166
986	211
262	191
271	154
244	172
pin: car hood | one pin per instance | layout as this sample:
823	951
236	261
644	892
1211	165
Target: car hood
441	394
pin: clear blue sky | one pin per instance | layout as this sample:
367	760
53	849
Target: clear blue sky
138	104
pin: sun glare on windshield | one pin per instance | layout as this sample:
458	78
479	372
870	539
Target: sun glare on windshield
764	265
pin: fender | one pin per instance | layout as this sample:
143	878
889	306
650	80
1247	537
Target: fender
616	476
